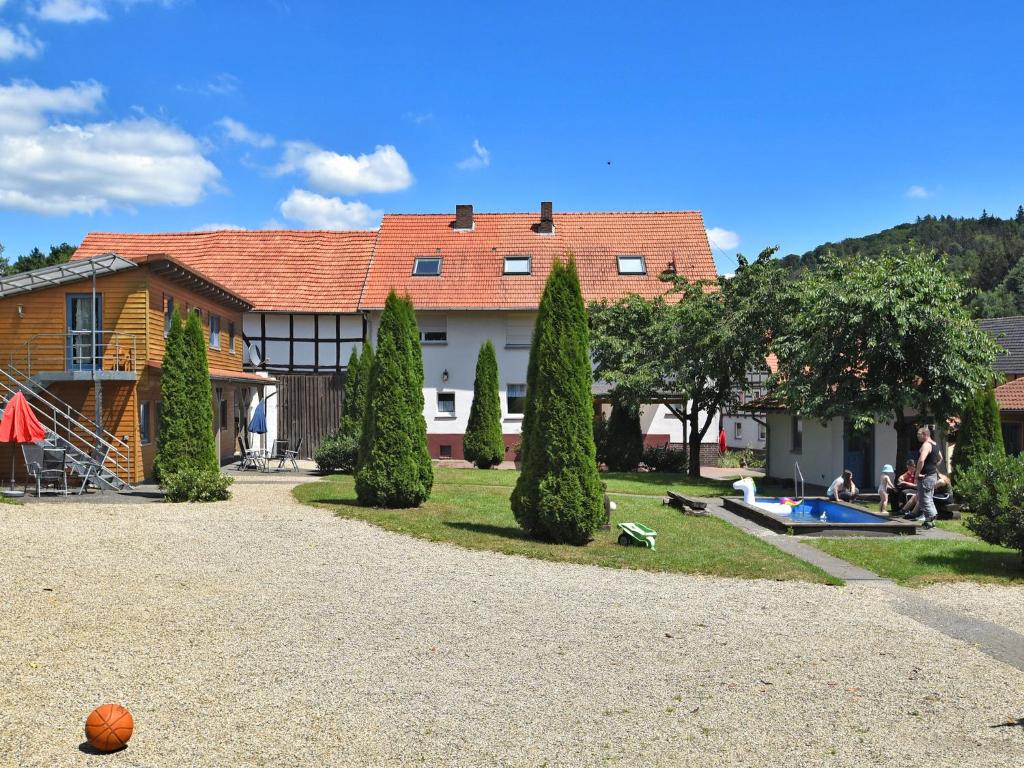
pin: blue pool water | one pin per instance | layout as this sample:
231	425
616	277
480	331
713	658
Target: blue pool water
811	510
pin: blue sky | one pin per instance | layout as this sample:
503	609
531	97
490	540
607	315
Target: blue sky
790	123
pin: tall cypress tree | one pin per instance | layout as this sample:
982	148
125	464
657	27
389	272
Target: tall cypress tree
558	494
351	414
186	432
394	464
483	443
980	430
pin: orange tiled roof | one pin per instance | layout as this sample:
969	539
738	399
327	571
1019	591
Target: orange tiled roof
1010	395
299	271
473	261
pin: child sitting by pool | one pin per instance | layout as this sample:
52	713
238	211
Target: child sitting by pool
885	486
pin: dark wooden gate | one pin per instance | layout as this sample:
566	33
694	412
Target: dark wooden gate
309	407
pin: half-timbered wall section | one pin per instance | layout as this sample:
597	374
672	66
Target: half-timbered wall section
283	342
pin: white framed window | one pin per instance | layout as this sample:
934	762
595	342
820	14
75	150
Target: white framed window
518	330
797	435
518	265
762	433
433	329
231	338
426	266
515	399
445	403
737	430
632	265
214	331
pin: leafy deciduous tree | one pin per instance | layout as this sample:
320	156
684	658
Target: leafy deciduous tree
699	350
877	336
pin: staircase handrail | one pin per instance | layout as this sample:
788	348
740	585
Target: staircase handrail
52	401
798	491
120	459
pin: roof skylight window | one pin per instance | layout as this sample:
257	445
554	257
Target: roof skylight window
632	265
427	267
517	265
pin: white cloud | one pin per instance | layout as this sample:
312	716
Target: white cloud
917	192
237	131
217	227
723	239
20	42
70	11
481	158
221	84
385	170
78	11
318	212
58	168
419	118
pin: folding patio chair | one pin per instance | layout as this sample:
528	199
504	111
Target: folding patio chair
249	458
284	455
46	466
89	467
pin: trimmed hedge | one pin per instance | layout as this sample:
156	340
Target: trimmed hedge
558	494
394	464
483	443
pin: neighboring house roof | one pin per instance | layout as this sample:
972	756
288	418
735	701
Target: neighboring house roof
284	271
473	260
1008	333
1010	395
63	274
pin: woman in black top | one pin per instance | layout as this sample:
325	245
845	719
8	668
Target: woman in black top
928	459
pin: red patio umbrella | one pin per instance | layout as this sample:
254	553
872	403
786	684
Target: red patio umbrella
19	425
722	441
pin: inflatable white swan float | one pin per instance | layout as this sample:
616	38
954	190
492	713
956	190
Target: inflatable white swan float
745	485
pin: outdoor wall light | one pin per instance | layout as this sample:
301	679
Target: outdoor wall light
444	375
21	310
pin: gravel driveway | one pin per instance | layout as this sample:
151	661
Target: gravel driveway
260	632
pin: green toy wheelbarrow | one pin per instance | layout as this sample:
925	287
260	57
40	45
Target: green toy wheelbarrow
638	534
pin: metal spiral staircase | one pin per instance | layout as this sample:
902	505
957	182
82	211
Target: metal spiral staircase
31	370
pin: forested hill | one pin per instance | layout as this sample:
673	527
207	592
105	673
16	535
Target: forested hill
989	250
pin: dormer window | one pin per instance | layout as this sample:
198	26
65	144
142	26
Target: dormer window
427	267
632	265
517	265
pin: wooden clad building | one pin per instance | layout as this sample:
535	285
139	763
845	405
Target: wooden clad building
84	341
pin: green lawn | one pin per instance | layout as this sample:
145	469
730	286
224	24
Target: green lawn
918	562
470	508
635	483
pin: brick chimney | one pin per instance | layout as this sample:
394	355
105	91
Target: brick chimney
464	217
547	222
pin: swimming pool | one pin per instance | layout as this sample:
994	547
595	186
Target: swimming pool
817	515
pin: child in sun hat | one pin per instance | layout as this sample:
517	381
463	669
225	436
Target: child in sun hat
885	486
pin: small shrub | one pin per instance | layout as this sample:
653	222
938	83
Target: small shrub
196	485
993	490
980	432
338	453
744	458
664	459
484	443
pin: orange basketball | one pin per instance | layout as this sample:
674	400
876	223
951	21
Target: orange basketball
109	727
